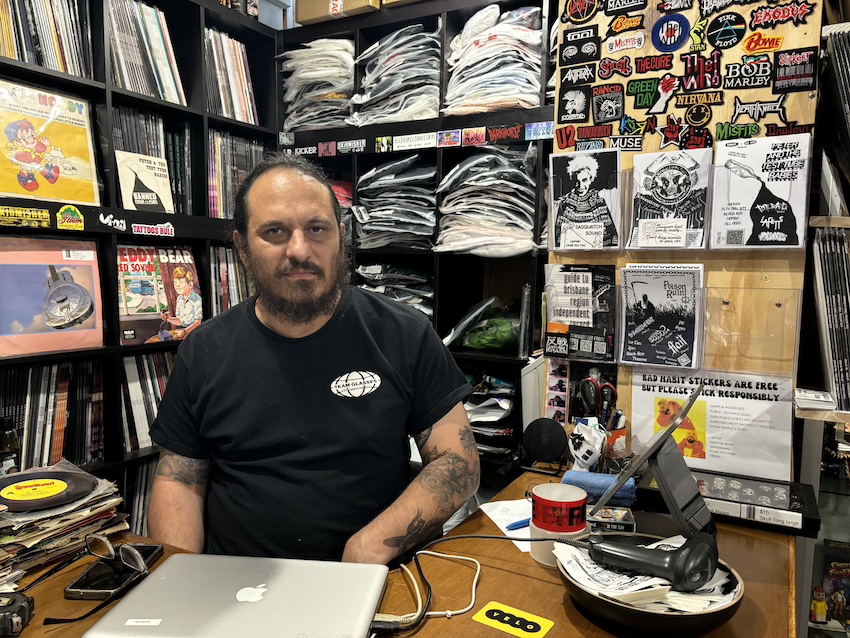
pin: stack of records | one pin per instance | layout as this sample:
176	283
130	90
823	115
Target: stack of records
320	85
397	205
49	511
837	96
401	79
495	62
488	204
404	285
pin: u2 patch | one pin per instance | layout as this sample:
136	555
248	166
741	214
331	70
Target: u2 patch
513	621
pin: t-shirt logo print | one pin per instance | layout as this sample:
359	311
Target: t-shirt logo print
355	384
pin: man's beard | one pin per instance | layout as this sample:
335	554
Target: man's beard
291	310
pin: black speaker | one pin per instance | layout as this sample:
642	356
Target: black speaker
544	440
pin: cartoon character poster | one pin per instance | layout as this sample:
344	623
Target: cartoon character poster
47	146
690	435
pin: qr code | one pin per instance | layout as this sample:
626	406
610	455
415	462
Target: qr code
684	360
735	237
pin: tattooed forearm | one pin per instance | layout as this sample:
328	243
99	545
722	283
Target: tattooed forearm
422	438
183	469
418	532
450	480
467	441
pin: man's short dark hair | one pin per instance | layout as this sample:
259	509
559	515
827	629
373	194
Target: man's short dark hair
274	161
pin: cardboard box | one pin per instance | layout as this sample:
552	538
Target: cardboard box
312	11
400	2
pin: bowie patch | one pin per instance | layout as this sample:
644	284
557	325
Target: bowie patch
608	103
760	42
795	70
767	17
574	105
580	46
624	23
726	30
670	33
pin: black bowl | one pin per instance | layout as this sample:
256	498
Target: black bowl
624	620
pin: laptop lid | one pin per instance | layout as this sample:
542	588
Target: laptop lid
210	596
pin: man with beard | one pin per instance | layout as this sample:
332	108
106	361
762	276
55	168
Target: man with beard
284	428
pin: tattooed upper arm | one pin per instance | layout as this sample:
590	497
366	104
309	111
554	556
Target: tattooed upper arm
183	469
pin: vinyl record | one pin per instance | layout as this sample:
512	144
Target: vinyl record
32	491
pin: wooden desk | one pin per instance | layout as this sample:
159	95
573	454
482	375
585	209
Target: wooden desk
765	561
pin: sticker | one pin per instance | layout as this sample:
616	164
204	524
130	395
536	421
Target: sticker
652	63
579	11
609	67
351	146
608	103
476	136
653	94
753	73
728	131
143	622
709	98
760	42
512	621
700	72
670	33
573	106
306	150
32	217
384	144
33	489
795	70
698	115
767	17
540	130
286	139
758	110
698	35
629	143
447	139
666	6
613	7
157	230
497	134
112	221
581	74
793	128
709	7
415	141
70	218
580	46
726	30
624	23
622	42
327	149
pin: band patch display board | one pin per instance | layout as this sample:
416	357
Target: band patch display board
650	75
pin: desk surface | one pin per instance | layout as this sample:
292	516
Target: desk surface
765	561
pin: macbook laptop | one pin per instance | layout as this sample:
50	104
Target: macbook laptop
200	595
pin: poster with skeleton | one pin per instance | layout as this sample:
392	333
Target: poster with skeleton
669	202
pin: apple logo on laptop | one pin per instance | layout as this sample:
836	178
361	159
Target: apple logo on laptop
251	594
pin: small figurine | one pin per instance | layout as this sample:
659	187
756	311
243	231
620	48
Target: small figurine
839	600
818	606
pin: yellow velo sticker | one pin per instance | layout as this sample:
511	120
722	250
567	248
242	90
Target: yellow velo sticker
512	621
33	490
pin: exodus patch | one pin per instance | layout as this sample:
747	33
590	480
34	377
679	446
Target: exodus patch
767	17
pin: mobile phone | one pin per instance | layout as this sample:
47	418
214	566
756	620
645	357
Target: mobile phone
106	577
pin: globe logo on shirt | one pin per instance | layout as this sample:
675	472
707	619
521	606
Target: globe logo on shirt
355	384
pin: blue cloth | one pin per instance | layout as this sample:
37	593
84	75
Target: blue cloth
597	484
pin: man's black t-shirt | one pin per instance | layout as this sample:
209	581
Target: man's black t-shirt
307	438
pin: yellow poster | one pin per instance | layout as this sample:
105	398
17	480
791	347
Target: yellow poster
47	146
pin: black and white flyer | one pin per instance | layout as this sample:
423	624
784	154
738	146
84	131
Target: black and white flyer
661	322
670	195
585	211
760	192
144	182
581	308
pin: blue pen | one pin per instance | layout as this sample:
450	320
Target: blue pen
518	524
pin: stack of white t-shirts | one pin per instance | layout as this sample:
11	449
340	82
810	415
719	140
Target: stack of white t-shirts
553	58
319	88
495	62
404	285
488	203
396	205
401	79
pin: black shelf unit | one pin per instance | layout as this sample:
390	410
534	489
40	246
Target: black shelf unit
187	20
460	280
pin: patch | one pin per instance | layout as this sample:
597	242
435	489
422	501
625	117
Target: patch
609	67
698	115
667	6
581	45
696	137
728	131
795	70
700	72
628	143
753	73
631	126
496	134
607	102
539	130
709	7
653	63
573	106
591	132
708	98
759	42
653	94
793	128
565	137
307	150
726	30
70	218
153	230
698	36
758	110
512	621
670	33
671	133
624	23
355	384
622	42
575	75
25	217
590	145
613	7
767	17
111	221
579	11
448	139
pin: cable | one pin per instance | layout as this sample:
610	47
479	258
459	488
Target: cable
449	613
